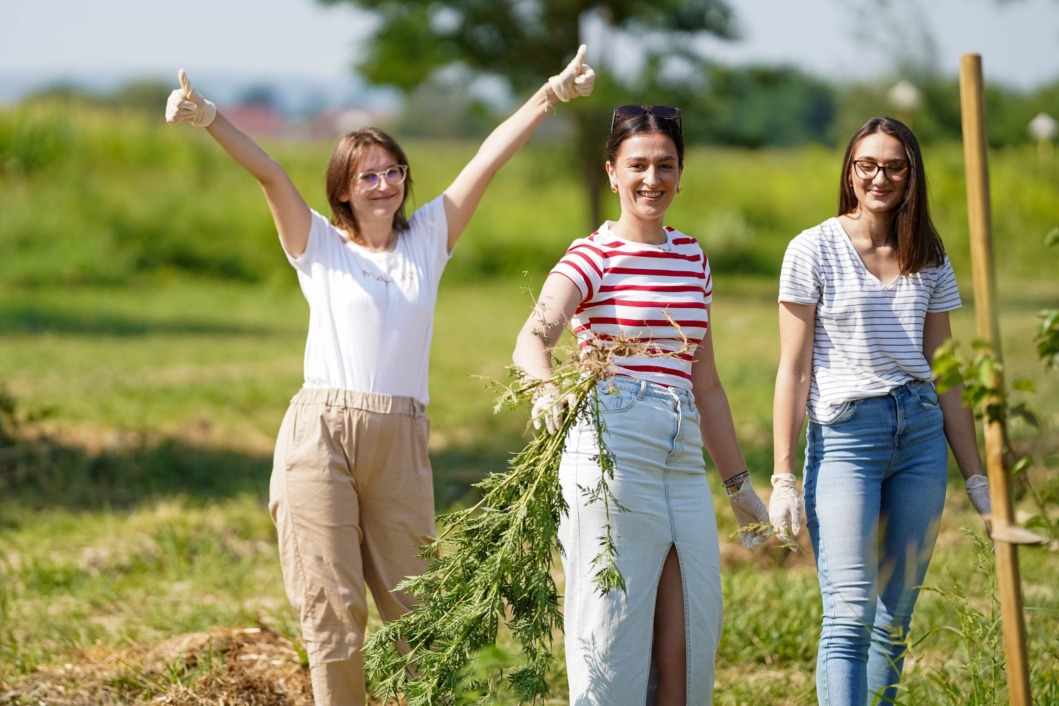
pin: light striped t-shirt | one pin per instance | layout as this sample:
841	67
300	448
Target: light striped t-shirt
868	337
639	291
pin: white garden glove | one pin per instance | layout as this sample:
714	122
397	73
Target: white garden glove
748	510
978	492
577	79
785	506
185	105
549	408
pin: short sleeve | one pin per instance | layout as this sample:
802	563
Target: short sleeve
429	228
946	294
322	237
801	281
583	265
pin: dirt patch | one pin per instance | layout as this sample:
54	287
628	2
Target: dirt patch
229	667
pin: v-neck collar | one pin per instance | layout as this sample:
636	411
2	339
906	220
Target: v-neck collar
860	260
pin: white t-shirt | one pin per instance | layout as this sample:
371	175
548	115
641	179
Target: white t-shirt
371	314
868	337
638	291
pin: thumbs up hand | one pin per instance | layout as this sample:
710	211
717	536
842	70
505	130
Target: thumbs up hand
577	79
185	105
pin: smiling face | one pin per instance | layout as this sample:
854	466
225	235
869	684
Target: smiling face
646	172
374	202
881	193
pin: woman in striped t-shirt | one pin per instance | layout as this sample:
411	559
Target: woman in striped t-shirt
864	302
642	283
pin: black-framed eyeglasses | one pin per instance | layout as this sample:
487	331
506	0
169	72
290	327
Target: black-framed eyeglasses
662	112
394	175
867	169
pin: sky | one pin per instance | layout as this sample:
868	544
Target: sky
111	41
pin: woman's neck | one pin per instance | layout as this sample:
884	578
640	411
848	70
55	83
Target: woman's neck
874	227
639	230
377	237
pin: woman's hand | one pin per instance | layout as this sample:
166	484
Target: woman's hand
186	105
749	511
549	407
577	79
978	492
785	506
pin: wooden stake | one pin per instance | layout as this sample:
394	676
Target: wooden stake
980	222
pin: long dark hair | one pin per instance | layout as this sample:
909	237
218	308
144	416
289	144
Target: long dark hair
344	165
912	232
624	128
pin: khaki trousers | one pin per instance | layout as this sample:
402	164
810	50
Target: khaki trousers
352	498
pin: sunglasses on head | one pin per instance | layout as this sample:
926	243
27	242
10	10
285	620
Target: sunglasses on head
662	112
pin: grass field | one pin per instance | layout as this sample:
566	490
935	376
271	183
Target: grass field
137	562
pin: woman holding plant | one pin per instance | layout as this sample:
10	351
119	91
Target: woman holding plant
643	290
864	301
351	490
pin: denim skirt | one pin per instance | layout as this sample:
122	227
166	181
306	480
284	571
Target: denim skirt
652	432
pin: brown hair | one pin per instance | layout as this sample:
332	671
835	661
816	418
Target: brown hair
344	166
623	128
912	232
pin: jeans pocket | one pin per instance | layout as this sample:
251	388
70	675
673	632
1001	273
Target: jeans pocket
615	397
847	413
928	397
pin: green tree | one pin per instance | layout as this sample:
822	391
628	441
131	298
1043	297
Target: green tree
522	43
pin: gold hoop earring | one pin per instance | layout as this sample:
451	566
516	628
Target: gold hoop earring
614	188
678	188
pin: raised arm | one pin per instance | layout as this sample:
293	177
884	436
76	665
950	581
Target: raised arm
465	193
289	210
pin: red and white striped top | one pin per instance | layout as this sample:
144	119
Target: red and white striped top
650	294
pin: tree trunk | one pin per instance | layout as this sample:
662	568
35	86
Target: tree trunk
590	159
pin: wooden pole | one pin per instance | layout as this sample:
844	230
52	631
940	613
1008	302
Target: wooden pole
980	223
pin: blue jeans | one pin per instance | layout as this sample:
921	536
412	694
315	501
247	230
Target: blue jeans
874	491
660	481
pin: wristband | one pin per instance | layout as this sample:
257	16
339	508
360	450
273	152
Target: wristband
733	484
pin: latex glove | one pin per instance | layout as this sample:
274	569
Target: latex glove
549	408
749	510
978	492
577	79
785	506
185	105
